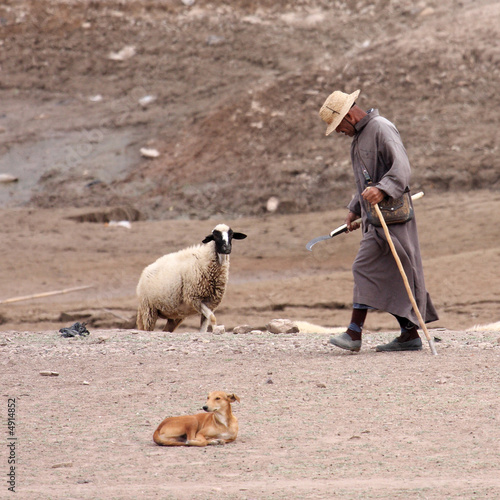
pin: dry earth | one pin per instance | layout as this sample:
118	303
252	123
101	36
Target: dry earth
235	88
314	422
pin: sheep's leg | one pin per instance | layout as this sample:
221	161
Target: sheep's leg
203	324
172	324
206	316
146	318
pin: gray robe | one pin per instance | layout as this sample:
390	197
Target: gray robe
378	283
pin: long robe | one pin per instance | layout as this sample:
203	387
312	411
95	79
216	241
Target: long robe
377	147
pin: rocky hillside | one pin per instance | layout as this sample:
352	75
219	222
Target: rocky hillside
228	92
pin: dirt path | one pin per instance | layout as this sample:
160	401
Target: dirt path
315	422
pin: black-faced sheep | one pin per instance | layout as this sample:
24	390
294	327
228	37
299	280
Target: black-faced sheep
187	282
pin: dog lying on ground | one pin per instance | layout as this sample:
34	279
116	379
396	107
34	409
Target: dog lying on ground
217	426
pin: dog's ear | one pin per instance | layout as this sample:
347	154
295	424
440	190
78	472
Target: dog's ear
233	398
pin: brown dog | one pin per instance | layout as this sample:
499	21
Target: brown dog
217	426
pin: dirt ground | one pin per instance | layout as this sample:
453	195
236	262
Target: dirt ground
228	94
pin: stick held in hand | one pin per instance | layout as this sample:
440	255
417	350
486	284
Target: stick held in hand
405	279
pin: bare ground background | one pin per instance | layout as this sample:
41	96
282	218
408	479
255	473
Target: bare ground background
232	93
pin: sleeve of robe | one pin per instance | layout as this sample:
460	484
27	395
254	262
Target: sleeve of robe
355	205
392	155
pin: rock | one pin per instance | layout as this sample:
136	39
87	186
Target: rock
147	99
427	11
48	373
272	204
126	53
6	178
215	40
121	223
219	330
241	329
282	326
150	153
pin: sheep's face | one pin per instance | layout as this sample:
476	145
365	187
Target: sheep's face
223	235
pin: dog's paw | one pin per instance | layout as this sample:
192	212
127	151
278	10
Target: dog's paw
217	441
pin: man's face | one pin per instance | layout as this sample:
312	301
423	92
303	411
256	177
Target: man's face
346	126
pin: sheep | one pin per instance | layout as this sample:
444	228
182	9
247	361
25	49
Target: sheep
187	282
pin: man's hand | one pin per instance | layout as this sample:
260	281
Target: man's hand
373	195
351	225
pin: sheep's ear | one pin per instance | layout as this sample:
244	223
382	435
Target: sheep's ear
239	236
210	237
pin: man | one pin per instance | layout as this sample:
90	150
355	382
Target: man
378	155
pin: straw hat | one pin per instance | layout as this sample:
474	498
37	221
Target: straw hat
336	106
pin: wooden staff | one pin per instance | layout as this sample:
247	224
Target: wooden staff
44	294
405	279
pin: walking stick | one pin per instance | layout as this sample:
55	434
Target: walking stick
405	279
